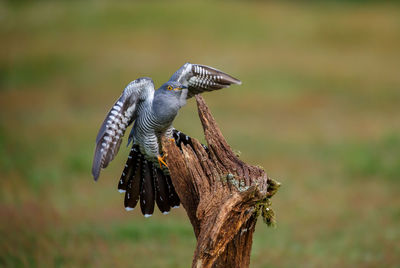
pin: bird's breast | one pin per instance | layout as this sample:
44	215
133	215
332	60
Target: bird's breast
165	112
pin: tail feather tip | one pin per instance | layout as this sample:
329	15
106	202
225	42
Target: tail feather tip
95	177
128	208
147	215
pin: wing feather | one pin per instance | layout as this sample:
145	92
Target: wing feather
121	115
201	78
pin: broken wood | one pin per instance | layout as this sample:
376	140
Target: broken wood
222	195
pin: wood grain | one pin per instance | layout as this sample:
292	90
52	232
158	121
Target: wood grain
222	195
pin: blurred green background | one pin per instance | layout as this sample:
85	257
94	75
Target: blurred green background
319	109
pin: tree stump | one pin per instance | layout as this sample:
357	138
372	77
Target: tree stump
222	195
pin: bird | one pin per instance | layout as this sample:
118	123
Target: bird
151	112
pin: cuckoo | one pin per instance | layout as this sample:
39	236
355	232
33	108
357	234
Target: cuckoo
145	176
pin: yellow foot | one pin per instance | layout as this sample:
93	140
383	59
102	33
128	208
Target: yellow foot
161	160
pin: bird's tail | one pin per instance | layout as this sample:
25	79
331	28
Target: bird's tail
181	138
145	181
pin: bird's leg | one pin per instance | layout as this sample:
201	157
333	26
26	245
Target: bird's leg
169	133
161	160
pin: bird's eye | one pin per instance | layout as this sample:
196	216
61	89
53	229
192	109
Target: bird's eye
169	87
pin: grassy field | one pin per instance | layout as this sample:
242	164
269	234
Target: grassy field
319	109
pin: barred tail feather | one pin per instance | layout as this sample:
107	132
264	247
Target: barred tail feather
181	138
147	189
173	198
161	190
129	169
133	185
185	139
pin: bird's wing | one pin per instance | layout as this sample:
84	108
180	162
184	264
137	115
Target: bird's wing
201	78
121	115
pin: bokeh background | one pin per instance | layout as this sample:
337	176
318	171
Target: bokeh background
319	109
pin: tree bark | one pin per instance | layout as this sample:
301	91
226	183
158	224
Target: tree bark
222	195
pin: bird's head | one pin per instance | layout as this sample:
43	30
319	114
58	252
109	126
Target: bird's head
173	87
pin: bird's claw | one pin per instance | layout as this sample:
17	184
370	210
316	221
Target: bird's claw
161	161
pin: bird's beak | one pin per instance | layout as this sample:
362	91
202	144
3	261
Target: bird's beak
180	88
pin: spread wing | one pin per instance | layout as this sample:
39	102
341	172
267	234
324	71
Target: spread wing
121	115
201	78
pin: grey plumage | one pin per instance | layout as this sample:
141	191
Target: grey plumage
152	112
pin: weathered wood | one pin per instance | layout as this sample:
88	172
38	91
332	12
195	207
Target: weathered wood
222	195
